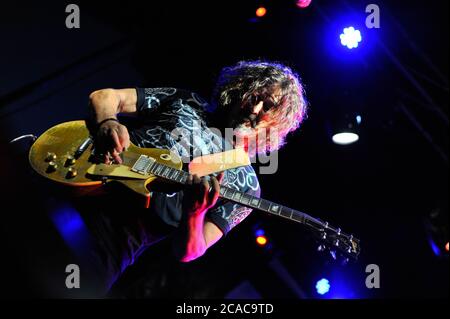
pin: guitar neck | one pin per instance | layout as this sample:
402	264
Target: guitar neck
334	236
241	198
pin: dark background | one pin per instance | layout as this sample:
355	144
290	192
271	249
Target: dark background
385	189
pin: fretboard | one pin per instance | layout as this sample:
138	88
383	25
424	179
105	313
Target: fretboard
347	243
239	197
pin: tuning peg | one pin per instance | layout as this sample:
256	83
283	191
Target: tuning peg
321	248
323	235
336	243
345	261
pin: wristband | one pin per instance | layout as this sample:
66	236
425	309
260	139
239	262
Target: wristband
106	120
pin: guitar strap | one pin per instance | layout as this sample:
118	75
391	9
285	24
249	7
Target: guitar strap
218	162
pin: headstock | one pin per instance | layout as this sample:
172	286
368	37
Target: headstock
337	242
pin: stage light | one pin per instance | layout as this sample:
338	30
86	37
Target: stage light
345	128
436	229
261	240
303	3
259	232
261	12
351	37
70	225
323	286
435	248
345	138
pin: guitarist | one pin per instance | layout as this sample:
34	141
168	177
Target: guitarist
249	97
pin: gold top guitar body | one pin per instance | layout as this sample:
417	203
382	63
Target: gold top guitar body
64	154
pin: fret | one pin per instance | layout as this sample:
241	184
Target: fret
184	178
264	205
172	171
245	199
223	192
237	196
158	169
151	167
167	172
286	212
275	208
255	202
230	193
298	216
163	172
179	178
173	174
177	175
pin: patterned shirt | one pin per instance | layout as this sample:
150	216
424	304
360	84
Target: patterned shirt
167	111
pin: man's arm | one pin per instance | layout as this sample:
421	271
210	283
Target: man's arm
196	233
107	103
112	137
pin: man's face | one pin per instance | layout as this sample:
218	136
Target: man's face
247	115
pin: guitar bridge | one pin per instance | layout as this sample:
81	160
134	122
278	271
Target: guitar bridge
143	164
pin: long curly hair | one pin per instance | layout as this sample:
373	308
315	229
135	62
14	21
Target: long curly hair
249	82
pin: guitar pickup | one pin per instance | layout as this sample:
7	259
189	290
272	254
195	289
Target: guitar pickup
143	164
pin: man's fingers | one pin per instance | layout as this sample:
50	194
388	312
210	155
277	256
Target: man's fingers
196	179
189	180
204	189
220	177
124	137
106	158
215	184
214	192
117	145
116	157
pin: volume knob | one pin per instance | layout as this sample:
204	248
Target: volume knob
50	157
52	166
71	172
70	160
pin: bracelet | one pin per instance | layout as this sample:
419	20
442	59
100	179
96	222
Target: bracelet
106	120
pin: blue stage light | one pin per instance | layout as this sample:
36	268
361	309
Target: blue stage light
351	37
259	232
323	286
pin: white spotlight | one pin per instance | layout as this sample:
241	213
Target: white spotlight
345	138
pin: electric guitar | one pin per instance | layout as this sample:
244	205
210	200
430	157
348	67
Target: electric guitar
65	154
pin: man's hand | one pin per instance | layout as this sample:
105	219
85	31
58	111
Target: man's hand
112	137
196	234
201	194
111	140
